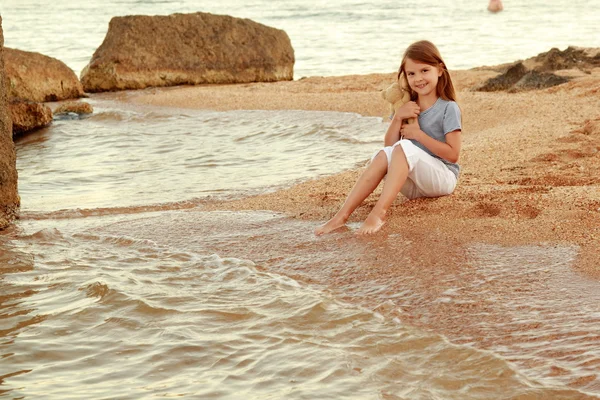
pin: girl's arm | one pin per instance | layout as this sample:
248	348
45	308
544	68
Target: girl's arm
408	110
449	151
393	132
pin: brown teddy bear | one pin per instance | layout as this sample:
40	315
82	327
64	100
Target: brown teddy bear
397	95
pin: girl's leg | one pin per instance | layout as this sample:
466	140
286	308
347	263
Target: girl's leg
396	177
364	186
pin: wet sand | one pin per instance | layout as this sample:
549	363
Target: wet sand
530	160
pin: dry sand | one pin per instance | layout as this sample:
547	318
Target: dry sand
530	160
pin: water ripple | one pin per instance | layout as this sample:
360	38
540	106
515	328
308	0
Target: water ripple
103	311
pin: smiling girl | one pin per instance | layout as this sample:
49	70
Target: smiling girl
419	159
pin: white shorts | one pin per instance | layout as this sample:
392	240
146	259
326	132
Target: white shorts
427	175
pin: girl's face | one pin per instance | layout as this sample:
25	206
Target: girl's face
422	78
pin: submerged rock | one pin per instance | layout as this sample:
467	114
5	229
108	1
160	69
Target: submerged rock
179	49
36	77
9	197
75	107
27	116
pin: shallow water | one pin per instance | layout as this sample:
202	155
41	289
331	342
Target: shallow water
524	304
223	305
134	156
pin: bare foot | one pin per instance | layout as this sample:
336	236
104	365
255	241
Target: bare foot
330	226
372	224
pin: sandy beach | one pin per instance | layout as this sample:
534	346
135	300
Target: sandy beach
530	160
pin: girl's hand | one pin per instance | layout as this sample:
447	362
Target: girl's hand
411	131
408	110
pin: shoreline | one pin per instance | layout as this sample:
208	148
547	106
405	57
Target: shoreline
532	178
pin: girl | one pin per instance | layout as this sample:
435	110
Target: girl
419	159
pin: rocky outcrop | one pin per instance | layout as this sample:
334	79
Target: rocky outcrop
572	57
9	197
27	116
539	72
180	49
36	77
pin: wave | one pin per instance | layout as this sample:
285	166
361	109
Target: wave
107	211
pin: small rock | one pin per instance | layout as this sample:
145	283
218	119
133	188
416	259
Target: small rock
538	80
539	72
27	116
77	107
571	57
505	80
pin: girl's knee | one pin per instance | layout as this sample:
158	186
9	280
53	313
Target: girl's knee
379	161
398	155
397	149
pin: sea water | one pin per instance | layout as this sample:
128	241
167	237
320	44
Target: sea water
116	283
336	37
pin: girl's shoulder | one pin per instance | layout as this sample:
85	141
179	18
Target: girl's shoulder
443	104
450	105
451	110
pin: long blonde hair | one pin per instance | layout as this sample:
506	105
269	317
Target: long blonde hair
425	52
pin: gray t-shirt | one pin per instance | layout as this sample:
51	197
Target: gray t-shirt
438	120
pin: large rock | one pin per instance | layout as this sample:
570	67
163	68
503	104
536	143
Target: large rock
9	197
178	49
39	78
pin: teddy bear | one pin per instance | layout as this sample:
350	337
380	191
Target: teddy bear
397	95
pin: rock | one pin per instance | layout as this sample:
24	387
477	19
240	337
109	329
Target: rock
538	80
27	116
36	77
33	78
77	107
537	72
505	80
572	57
181	49
9	197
